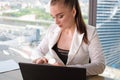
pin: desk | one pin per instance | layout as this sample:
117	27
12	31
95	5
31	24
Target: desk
16	74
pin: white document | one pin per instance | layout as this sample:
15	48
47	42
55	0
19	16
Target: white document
8	65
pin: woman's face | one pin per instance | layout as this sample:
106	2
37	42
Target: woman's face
63	16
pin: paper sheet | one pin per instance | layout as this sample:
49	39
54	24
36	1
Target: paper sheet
8	65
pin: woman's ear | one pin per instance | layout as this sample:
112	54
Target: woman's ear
74	12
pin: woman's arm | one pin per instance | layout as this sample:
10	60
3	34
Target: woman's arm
97	64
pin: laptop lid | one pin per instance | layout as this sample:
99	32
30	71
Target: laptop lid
48	72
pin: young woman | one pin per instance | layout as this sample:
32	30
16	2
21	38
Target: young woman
70	42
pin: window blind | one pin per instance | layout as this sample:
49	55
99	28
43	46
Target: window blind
108	28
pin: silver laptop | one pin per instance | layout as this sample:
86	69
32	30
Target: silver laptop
31	71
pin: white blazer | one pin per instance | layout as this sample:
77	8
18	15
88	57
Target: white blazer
79	53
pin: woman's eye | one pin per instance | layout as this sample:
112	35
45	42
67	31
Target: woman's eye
53	17
60	16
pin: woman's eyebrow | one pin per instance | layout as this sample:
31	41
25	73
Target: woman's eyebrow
57	14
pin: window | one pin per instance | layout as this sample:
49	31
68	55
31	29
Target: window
107	19
23	23
108	27
84	4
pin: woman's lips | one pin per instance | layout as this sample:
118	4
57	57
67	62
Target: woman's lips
60	25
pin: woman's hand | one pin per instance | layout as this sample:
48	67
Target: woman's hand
41	61
54	62
45	61
57	64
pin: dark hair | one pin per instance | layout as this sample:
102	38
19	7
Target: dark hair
81	26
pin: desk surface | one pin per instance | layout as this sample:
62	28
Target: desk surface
16	74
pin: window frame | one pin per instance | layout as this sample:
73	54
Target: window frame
92	12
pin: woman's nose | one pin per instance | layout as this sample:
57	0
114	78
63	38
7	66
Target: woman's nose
56	21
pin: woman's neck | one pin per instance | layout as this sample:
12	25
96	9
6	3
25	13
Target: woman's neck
69	30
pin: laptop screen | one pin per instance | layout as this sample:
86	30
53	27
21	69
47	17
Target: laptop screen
48	72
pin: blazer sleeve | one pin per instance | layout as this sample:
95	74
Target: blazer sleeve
97	64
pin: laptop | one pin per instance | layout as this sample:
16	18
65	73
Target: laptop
31	71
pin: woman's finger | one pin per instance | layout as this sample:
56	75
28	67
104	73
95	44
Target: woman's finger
45	60
40	61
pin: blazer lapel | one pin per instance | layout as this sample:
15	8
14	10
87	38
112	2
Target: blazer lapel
55	36
76	42
53	39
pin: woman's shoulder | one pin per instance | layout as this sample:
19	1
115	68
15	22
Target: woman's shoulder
91	31
90	28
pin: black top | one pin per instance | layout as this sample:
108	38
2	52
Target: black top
63	54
